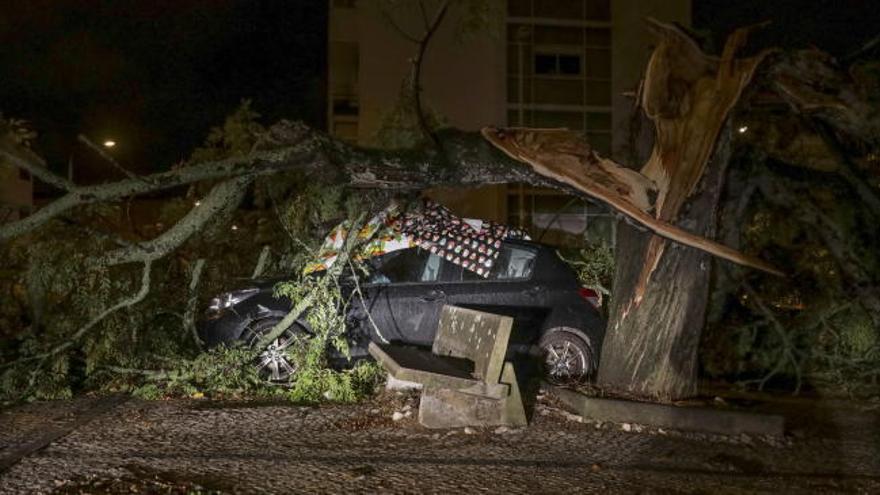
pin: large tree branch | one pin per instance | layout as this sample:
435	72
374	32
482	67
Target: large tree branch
466	160
223	199
26	160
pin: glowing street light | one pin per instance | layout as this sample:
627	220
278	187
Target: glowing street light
109	143
743	129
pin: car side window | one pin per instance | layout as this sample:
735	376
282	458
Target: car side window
406	265
438	269
431	272
514	263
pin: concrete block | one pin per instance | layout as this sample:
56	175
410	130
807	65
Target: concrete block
702	419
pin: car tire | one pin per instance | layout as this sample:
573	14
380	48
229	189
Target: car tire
567	356
275	363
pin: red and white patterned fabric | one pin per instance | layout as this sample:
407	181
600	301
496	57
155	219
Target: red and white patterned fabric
471	244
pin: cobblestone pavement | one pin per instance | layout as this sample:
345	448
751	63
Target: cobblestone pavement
186	446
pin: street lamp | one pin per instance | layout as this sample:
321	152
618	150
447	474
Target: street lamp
109	143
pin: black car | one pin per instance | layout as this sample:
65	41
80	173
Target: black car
404	293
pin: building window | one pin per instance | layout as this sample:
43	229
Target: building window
557	64
344	60
559	219
559	75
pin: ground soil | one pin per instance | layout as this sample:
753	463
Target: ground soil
203	446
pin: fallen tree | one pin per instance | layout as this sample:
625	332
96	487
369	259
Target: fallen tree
661	289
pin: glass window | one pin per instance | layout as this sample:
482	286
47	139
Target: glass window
406	265
569	65
432	268
514	262
545	64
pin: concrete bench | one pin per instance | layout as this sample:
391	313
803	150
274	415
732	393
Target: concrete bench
465	380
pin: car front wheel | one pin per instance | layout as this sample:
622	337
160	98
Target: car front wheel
567	357
275	363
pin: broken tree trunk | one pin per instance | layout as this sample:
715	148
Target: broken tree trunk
661	290
655	343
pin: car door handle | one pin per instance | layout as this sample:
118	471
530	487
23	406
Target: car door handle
433	295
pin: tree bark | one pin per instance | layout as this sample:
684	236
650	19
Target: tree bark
653	346
661	291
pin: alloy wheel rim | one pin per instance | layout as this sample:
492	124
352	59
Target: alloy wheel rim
565	361
274	363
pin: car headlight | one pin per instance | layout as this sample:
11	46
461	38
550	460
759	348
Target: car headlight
229	299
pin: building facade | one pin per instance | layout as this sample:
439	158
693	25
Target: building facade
534	63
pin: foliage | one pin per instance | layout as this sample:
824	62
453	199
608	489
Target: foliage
816	327
51	287
594	265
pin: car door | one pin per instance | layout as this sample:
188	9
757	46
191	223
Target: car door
405	299
511	289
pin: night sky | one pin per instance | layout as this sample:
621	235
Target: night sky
156	75
835	26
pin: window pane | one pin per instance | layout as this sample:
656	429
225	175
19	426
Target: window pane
571	120
432	269
399	266
559	9
513	263
554	35
597	63
560	91
598	10
519	33
519	8
598	93
597	37
569	65
513	89
545	64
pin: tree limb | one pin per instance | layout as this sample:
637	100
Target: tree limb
125	303
33	164
223	199
103	154
189	316
430	29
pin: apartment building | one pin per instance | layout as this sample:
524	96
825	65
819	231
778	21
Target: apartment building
535	63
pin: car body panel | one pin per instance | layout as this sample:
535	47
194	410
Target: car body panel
406	290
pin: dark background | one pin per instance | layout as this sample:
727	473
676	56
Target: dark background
155	75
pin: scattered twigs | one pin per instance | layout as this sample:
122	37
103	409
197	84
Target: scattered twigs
360	294
787	352
125	303
189	316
